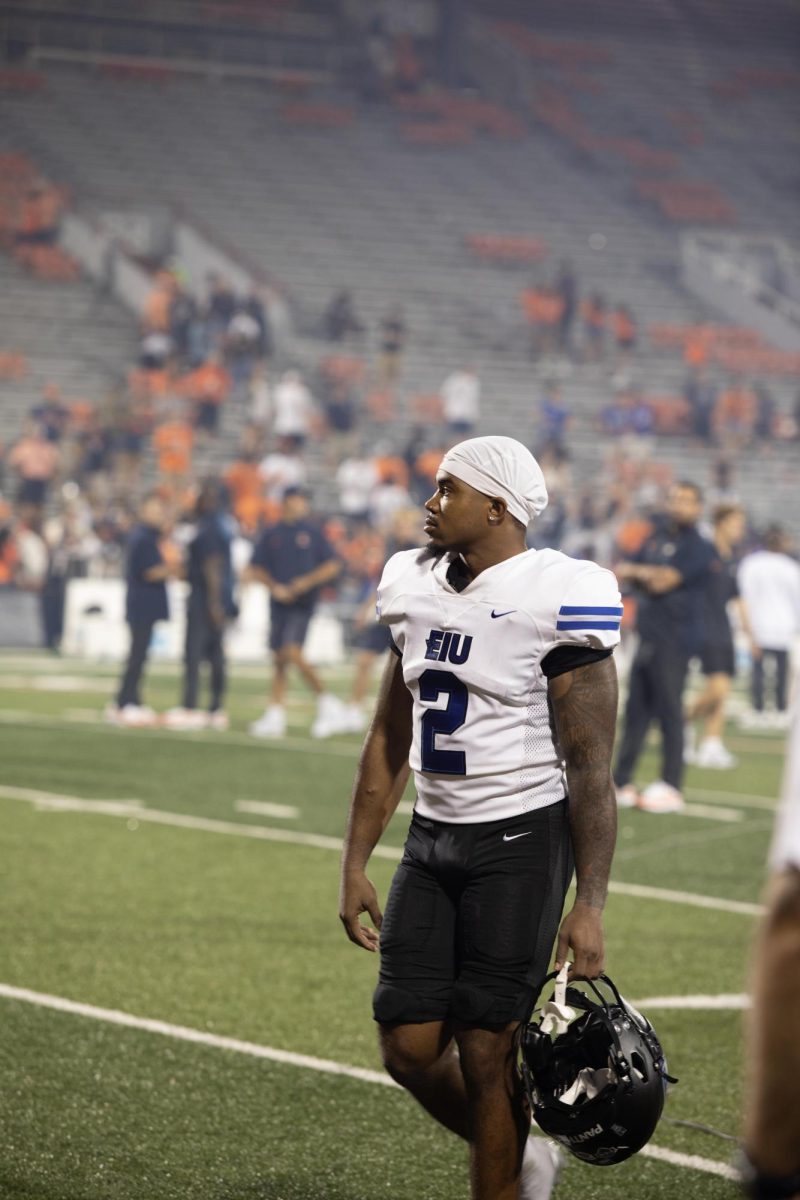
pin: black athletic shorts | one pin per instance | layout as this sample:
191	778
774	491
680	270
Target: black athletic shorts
718	658
471	918
288	624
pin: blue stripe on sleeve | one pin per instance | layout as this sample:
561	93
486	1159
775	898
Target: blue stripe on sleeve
587	624
568	610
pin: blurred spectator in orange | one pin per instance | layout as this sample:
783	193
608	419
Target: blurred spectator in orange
340	318
393	333
734	417
35	460
245	486
207	388
9	558
624	328
173	443
697	346
158	304
461	401
544	309
594	315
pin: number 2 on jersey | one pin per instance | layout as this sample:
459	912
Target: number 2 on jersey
442	720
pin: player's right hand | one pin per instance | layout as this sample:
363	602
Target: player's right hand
359	896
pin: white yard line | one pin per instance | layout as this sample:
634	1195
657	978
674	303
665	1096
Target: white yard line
713	812
746	799
262	808
132	810
86	721
699	1003
325	1066
693	899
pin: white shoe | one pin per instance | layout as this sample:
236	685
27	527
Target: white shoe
751	718
689	745
714	755
136	716
271	724
355	718
660	797
184	720
627	796
218	720
541	1167
331	717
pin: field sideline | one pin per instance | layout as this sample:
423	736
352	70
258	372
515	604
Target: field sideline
183	1016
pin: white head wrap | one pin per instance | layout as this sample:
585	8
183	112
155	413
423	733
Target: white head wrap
500	466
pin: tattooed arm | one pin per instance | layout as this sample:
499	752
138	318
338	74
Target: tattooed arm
584	703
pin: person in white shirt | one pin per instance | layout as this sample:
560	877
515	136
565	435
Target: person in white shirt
769	585
293	408
501	697
282	468
771	1160
356	478
461	401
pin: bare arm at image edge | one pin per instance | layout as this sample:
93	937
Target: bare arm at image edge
381	778
584	705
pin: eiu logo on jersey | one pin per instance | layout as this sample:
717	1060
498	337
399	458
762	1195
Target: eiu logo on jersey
448	647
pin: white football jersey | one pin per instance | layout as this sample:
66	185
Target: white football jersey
483	747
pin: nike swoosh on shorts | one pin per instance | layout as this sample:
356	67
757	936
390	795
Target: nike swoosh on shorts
511	837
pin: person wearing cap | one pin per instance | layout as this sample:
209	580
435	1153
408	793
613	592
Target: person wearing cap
294	560
501	697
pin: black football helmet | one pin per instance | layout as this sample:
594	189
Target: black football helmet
598	1086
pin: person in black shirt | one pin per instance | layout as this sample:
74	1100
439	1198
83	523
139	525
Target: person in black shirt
145	603
669	573
717	655
209	606
294	559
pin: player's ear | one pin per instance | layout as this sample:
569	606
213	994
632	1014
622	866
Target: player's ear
496	511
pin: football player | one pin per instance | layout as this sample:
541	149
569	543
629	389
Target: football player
501	696
771	1167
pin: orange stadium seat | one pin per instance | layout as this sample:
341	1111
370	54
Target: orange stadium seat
506	247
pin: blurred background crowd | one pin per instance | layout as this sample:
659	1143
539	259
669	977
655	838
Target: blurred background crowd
385	228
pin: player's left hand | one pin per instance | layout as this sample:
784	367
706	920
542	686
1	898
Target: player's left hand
582	932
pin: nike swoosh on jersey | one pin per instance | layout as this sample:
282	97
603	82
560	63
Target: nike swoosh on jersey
503	614
511	837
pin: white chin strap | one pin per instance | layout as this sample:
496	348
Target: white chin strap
556	1013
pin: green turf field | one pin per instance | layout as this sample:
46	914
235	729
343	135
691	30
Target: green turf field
137	878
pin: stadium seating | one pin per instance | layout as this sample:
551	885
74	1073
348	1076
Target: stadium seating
363	204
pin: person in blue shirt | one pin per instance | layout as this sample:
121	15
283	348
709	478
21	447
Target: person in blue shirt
210	605
670	573
294	560
145	604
